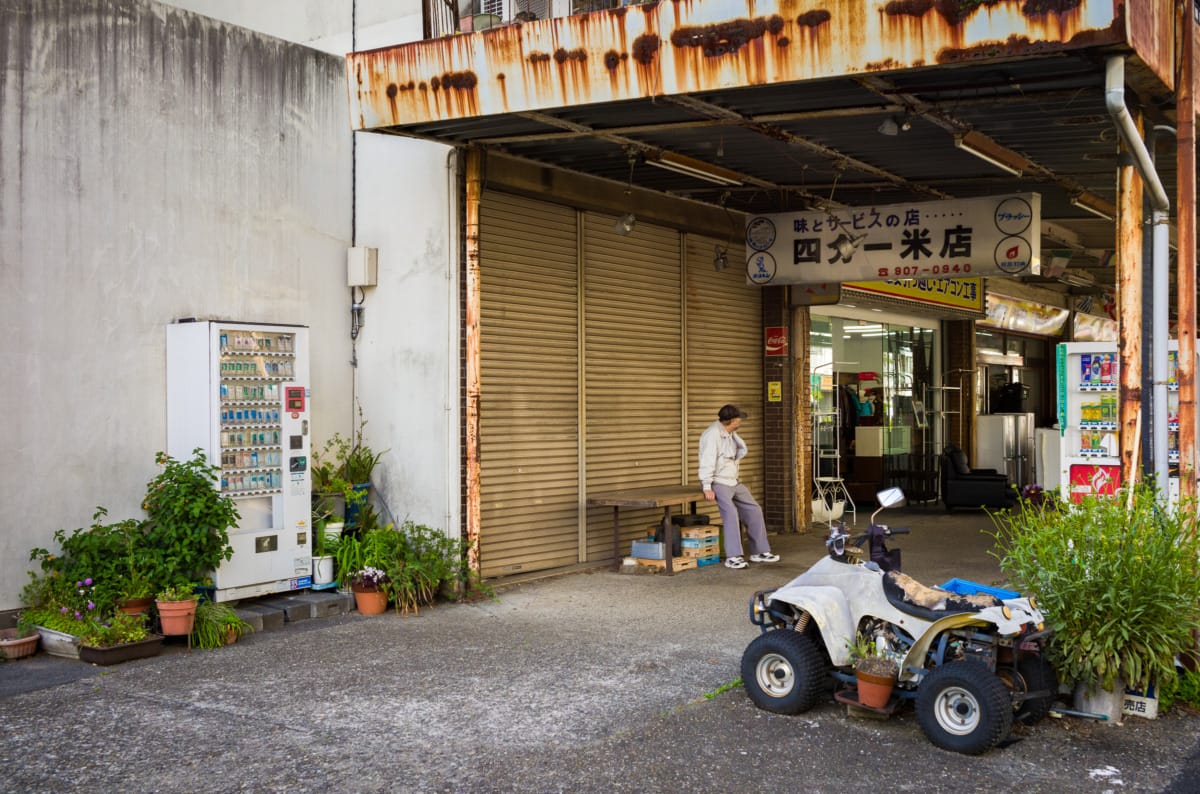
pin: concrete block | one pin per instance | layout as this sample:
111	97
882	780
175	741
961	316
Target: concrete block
326	603
260	617
293	607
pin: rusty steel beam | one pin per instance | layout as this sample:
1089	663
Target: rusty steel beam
474	191
1185	280
1129	300
690	46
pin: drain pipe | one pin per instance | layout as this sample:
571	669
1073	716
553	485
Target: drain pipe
1114	100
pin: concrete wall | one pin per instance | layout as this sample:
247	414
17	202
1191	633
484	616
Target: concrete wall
153	165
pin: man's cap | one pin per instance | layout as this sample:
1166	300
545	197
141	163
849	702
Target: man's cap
729	412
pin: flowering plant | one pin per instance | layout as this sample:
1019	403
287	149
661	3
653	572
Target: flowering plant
369	578
117	630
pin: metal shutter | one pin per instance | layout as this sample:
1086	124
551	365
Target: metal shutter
724	354
529	404
633	382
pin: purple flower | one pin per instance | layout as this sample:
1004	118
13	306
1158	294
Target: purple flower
91	605
63	610
88	581
78	616
79	584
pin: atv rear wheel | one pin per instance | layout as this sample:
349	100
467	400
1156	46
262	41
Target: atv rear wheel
783	672
963	707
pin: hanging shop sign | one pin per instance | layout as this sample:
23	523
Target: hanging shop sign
990	236
1090	328
957	293
1028	317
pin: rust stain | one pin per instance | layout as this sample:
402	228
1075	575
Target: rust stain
645	48
612	59
812	19
538	57
726	38
561	56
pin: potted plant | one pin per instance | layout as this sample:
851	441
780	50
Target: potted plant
188	520
176	609
61	611
217	625
19	642
342	471
369	586
121	638
325	543
1118	579
874	672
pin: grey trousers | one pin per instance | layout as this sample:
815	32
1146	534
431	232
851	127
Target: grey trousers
737	506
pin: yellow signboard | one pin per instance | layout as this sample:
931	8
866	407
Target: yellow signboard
957	293
774	391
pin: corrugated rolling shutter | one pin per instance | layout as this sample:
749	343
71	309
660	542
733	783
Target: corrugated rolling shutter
724	354
633	355
529	404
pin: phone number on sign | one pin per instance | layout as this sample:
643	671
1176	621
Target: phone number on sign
914	270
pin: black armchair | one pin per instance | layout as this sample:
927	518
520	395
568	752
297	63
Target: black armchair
963	486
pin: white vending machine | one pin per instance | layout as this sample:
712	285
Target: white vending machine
239	391
1089	419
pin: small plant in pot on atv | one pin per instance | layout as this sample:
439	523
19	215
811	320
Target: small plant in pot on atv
874	671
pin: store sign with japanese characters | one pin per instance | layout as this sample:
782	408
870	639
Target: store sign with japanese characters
990	236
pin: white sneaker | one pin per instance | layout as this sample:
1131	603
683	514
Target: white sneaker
736	562
767	557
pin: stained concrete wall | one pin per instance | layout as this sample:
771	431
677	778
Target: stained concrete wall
153	165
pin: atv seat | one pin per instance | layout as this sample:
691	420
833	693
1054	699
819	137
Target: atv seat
930	603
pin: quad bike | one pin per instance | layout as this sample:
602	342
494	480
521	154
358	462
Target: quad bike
972	663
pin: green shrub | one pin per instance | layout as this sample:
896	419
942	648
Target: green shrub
1118	579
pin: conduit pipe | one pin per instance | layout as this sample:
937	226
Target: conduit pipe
1114	100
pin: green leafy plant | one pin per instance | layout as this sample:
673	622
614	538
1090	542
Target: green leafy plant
215	624
188	520
116	630
867	657
1182	689
419	561
177	592
56	619
1118	579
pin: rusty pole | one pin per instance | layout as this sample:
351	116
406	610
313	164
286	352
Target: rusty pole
1129	300
474	180
1185	280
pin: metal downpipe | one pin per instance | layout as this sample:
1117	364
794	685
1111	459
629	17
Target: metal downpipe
1114	100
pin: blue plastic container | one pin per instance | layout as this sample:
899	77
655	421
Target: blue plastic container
965	587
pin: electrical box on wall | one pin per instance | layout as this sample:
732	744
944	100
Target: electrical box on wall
362	266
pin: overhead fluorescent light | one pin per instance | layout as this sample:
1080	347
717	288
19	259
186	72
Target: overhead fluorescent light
1095	205
697	169
989	151
1077	278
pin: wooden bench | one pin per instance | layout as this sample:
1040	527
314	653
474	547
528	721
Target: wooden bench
664	496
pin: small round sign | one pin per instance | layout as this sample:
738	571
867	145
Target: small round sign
760	269
1013	255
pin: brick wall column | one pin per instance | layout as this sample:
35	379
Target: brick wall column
778	436
802	415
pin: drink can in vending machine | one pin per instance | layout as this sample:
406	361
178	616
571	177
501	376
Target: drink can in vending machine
1085	369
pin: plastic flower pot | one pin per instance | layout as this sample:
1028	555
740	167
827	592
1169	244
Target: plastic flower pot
176	617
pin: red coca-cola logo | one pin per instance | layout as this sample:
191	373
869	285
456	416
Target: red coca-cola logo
777	341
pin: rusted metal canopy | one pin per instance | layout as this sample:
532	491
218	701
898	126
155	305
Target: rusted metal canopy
772	106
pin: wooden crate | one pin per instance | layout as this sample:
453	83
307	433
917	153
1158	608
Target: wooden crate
677	564
702	531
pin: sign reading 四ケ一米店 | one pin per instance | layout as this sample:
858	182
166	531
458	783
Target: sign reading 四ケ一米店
990	236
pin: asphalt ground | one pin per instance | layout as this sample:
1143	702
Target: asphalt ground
589	682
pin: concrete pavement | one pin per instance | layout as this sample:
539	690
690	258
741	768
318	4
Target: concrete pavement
589	682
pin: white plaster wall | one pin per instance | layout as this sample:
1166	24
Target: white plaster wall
153	165
408	350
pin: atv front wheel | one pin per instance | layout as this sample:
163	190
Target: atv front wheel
1034	674
963	707
783	672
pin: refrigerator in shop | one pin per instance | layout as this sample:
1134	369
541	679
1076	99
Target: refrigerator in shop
239	392
1004	442
1089	418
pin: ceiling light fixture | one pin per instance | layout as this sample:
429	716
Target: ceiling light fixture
894	125
626	222
986	149
1095	205
697	169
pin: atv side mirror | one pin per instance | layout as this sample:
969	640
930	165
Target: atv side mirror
890	497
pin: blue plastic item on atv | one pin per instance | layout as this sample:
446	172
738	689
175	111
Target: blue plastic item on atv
966	588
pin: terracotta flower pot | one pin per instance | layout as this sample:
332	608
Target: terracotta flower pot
15	647
874	691
176	617
136	606
370	602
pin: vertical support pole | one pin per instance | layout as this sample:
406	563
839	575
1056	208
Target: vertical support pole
802	417
1129	299
1185	166
474	179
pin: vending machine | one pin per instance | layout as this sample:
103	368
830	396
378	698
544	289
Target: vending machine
239	392
1089	419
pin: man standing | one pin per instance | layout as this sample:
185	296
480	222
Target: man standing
721	451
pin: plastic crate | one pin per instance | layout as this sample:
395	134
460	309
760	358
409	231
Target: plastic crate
966	587
647	550
706	561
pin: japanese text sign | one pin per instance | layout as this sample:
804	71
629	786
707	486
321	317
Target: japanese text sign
989	236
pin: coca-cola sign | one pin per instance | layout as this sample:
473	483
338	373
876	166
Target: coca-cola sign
777	341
